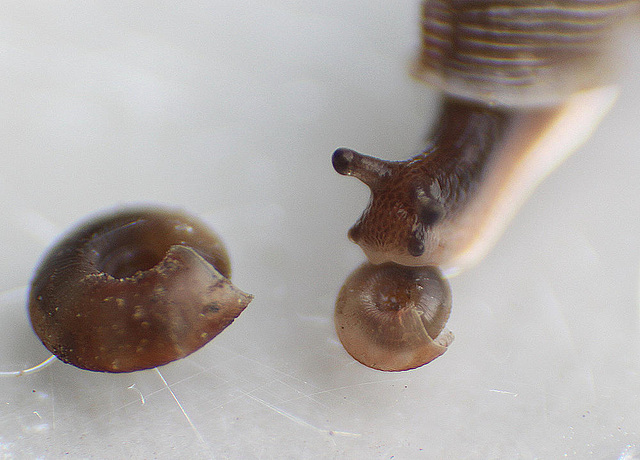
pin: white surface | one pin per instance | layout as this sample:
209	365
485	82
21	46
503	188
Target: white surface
232	110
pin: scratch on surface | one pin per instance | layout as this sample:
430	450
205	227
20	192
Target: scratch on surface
348	387
504	392
133	387
195	430
270	368
53	400
152	393
301	393
248	394
300	421
638	318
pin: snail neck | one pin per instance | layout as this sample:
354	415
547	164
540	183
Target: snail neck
463	145
496	156
467	131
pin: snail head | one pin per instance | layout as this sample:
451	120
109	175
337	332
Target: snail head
405	218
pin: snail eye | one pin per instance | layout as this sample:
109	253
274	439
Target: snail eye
428	208
342	160
415	246
429	216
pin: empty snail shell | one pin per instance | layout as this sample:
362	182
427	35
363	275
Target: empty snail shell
390	317
133	290
523	82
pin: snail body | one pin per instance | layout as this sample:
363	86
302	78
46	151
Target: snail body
448	205
133	290
523	83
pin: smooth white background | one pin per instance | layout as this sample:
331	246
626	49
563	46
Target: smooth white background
231	110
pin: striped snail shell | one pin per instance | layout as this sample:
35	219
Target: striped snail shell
522	52
523	83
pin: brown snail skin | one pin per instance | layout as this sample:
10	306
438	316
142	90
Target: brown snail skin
524	83
392	318
448	205
133	289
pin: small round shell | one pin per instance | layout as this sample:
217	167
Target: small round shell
392	318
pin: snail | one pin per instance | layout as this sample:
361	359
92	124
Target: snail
391	317
523	83
133	289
